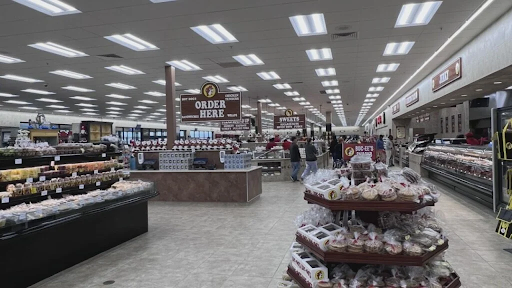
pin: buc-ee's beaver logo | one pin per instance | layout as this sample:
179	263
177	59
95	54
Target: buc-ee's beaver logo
209	90
349	151
319	275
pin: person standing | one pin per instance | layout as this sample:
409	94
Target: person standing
311	165
332	145
380	149
271	144
286	144
388	144
294	158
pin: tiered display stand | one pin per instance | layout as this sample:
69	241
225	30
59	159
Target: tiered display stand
368	212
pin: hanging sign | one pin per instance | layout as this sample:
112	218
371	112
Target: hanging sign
352	149
413	98
290	121
396	108
236	125
449	74
211	105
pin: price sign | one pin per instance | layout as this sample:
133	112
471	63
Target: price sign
59	190
5	200
56	159
42	178
98	183
81	186
104	155
44	193
95	171
18	161
73	174
30	180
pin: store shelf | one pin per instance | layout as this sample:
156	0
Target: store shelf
340	205
33	161
297	278
369	258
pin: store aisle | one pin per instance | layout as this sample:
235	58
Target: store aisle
208	245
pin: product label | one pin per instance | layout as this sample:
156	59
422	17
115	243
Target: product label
104	155
81	187
95	171
18	161
73	174
57	158
112	169
30	180
59	190
98	183
5	200
44	193
42	178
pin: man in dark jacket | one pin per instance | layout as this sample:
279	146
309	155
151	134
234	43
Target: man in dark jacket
311	165
332	146
294	158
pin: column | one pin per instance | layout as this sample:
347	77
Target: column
170	95
259	124
328	126
312	127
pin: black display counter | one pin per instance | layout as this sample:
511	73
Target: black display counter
40	248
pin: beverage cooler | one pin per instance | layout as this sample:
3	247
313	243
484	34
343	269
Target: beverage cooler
502	162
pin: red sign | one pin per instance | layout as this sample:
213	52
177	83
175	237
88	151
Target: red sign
449	74
413	98
396	108
352	149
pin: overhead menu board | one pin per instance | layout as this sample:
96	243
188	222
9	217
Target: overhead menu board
290	121
236	125
211	105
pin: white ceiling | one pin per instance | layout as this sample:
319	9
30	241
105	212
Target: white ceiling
262	27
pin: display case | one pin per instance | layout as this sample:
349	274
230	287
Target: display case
467	168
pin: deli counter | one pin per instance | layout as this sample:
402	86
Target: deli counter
465	169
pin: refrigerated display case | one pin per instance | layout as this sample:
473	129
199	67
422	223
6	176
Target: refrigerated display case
465	169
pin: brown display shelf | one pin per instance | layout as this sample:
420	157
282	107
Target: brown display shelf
296	277
369	258
455	283
342	205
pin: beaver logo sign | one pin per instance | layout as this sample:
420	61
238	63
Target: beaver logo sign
211	105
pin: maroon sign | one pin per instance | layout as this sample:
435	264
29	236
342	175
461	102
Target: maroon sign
352	149
396	108
236	125
290	122
413	98
211	105
449	74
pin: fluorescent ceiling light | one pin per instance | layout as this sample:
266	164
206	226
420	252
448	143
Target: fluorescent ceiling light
117	96
374	95
248	60
402	48
387	67
265	100
380	80
90	113
115	108
309	25
142	107
78	89
86	105
332	83
273	105
57	106
17	102
336	102
132	42
319	54
157	114
58	49
268	75
113	112
237	88
120	86
333	97
155	93
184	65
216	79
148	101
417	14
125	70
29	108
8	95
281	108
49	7
138	111
298	99
70	74
9	60
116	103
215	34
304	103
35	91
49	100
243	106
83	98
178	98
63	111
291	93
193	91
162	82
282	86
375	89
325	72
369	100
307	107
20	78
132	117
332	91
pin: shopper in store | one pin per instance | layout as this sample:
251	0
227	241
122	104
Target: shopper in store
294	158
388	144
271	144
471	140
338	154
286	144
381	152
333	144
311	165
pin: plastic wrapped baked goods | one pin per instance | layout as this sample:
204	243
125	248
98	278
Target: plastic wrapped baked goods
412	249
386	192
408	194
356	245
392	247
410	175
324	284
373	244
352	193
361	174
339	244
361	162
382	169
370	194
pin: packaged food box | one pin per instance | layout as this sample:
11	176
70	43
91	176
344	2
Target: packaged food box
331	229
309	267
325	190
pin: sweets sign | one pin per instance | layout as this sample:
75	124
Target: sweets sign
352	149
236	125
290	121
449	74
211	105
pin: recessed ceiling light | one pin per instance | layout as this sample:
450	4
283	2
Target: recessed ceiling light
58	49
248	60
117	96
374	95
157	114
254	109
463	95
216	79
90	113
8	95
237	88
17	102
434	106
402	48
120	86
155	93
332	83
132	42
86	105
417	14
319	54
487	96
125	70
380	80
142	107
307	107
70	74
332	91
336	102
162	82
333	97
498	82
49	7
387	67
83	98
115	108
49	100
113	112
265	100
113	116
135	115
304	103
325	72
375	89
479	89
443	103
192	91
57	107
148	101
273	105
178	98
29	108
282	86
298	99
36	91
369	100
243	106
20	78
268	75
63	111
138	111
9	60
78	89
116	103
291	93
132	117
309	25
184	65
215	34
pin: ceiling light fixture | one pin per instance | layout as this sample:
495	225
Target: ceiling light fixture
125	70
192	91
9	60
332	83
380	80
49	7
268	75
248	60
132	42
337	102
319	54
83	98
215	34
281	86
120	86
325	72
114	112
77	89
369	100
333	97
36	91
117	96
63	111
387	67
58	49
184	65
90	113
309	25
216	79
49	100
237	89
304	103
57	107
162	82
17	102
29	108
332	91
155	93
273	105
115	103
374	95
20	78
148	101
417	14
8	95
86	105
264	100
402	48
291	93
375	89
298	99
479	90
70	74
115	108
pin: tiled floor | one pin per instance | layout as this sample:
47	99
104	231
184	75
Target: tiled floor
215	245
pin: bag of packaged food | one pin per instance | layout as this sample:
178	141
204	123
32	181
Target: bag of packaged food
391	244
412	249
373	244
343	272
355	245
410	175
360	280
352	193
339	244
